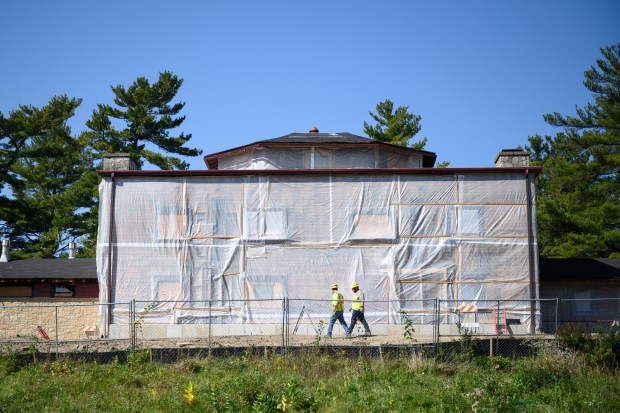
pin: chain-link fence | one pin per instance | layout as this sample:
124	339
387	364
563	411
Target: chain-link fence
47	330
173	329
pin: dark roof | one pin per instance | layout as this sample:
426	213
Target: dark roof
321	139
579	269
66	269
340	137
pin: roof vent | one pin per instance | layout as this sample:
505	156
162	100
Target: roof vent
72	250
5	251
314	129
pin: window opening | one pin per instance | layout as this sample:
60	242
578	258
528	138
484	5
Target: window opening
16	290
471	221
265	224
63	290
371	224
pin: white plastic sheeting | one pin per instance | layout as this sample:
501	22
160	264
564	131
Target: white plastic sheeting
319	158
220	241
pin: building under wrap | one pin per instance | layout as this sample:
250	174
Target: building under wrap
290	216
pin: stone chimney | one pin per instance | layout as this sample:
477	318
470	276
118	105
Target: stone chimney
72	250
512	158
5	251
118	162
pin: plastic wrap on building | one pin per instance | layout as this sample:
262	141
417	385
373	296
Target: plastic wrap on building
223	241
319	158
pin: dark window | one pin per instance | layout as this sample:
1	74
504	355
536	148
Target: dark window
15	290
63	290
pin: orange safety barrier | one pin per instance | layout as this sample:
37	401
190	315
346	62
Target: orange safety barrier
42	333
89	331
468	308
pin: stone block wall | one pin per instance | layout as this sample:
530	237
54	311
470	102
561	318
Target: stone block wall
118	162
512	158
20	317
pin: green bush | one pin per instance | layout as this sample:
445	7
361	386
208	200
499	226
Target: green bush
539	372
606	350
573	337
495	362
467	344
139	357
10	362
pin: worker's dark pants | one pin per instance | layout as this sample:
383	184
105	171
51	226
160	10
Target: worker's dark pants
358	316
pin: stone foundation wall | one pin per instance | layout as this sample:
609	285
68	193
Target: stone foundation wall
19	318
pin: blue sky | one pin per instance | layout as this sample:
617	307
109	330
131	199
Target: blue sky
480	73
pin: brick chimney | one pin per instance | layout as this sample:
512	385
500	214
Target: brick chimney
512	158
118	162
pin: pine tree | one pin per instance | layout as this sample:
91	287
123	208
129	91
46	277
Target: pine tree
148	116
53	184
578	192
397	128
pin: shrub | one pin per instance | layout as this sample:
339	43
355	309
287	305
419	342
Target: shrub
495	362
539	372
60	367
467	344
189	366
10	361
606	350
573	337
139	357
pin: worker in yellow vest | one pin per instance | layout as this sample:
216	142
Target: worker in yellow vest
337	312
357	305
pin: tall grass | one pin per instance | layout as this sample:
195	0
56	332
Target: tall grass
553	381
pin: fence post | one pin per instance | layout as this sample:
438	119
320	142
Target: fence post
283	317
133	325
557	316
288	337
129	323
210	315
436	327
56	307
497	322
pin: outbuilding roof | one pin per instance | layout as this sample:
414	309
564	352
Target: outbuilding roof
50	268
327	140
554	270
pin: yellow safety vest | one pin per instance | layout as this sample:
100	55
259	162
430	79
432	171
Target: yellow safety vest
357	303
337	301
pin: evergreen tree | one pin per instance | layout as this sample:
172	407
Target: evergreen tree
397	128
148	116
53	183
578	191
